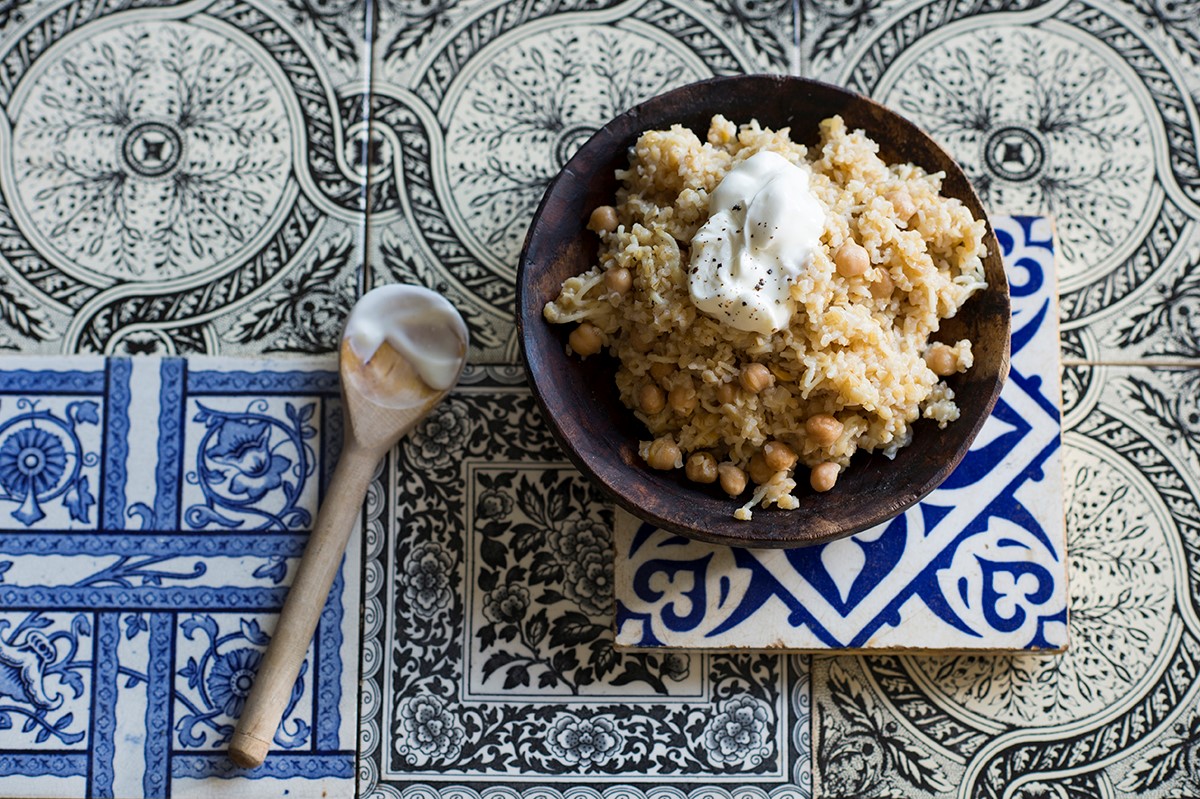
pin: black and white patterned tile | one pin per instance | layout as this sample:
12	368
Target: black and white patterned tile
1114	715
478	106
488	657
179	178
1081	110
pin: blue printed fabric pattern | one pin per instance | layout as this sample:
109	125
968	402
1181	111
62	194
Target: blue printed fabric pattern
152	512
979	564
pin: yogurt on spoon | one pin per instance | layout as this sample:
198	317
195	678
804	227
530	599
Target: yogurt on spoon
420	325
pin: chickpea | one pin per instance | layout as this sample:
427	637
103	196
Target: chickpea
664	454
618	280
603	219
642	338
883	286
760	472
778	455
941	360
726	393
733	479
682	399
755	377
661	371
585	340
852	260
701	468
903	204
651	399
824	476
823	429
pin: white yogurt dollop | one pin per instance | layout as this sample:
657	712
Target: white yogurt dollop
420	325
764	224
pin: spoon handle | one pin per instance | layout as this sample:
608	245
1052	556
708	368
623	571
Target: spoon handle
302	610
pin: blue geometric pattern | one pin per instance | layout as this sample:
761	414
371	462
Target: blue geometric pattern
980	563
151	517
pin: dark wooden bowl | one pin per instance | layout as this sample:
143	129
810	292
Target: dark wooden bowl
580	398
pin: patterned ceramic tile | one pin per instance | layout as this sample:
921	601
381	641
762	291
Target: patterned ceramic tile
179	178
1162	325
1076	109
151	515
476	109
488	654
978	564
1114	716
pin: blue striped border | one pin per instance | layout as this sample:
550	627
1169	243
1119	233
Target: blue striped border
89	598
332	432
178	544
171	424
39	764
277	765
46	381
104	706
265	382
328	686
116	442
158	704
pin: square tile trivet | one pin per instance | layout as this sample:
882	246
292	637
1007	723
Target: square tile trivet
152	512
979	564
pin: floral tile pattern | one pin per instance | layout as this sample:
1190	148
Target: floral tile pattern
488	653
1079	110
979	564
152	512
476	106
1114	715
224	176
1086	110
178	179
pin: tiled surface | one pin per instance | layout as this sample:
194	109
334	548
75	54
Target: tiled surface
978	564
1084	111
488	654
1081	110
1087	111
152	513
178	178
1115	715
478	108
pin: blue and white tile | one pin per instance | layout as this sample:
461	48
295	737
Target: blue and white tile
477	106
488	650
978	564
153	512
178	178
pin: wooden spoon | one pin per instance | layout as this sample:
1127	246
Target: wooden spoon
383	397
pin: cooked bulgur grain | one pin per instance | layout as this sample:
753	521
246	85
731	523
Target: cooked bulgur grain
851	371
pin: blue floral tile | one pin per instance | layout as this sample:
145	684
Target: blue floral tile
476	106
179	179
979	564
488	650
152	512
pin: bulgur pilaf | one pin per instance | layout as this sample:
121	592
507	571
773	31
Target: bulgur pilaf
854	367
